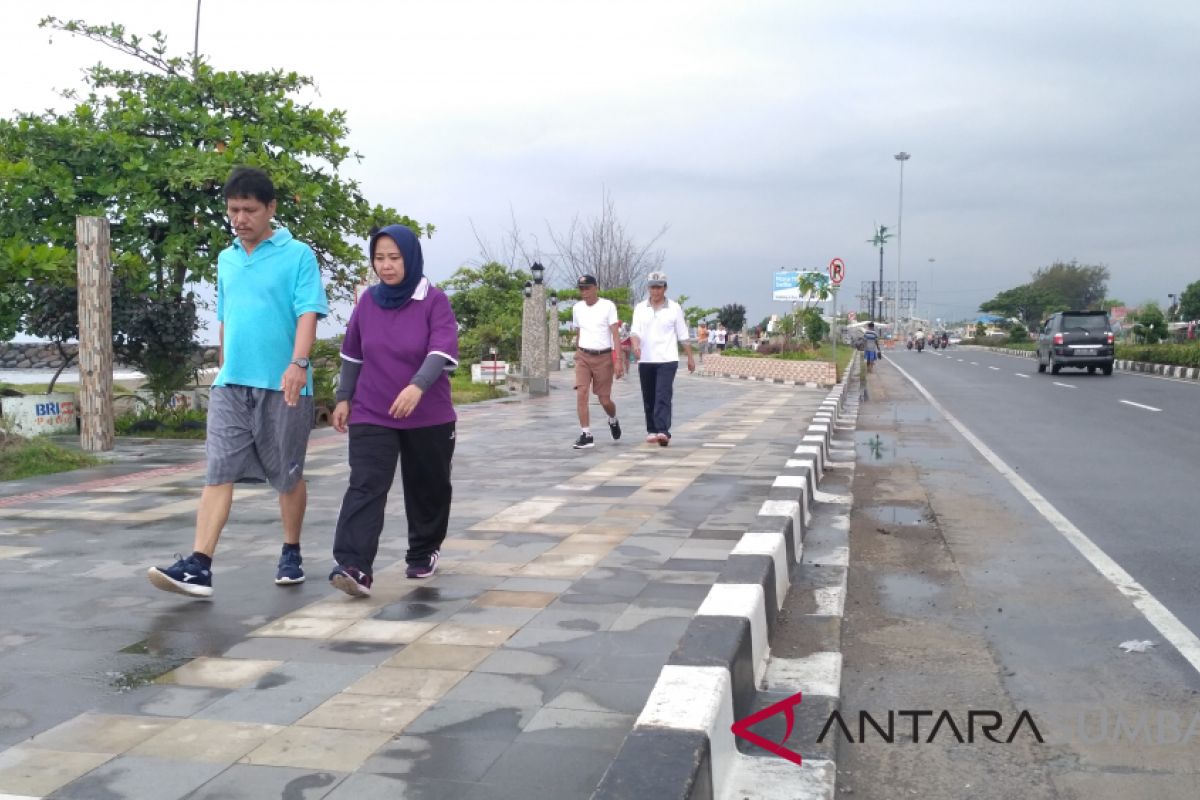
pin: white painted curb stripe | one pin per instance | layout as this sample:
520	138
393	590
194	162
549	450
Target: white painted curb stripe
742	600
786	508
765	777
773	545
829	497
830	601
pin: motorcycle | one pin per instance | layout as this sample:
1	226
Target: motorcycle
909	344
920	345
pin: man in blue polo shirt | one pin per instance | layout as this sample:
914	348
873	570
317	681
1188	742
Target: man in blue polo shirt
269	298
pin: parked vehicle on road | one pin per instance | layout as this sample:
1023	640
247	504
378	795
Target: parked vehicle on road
1076	339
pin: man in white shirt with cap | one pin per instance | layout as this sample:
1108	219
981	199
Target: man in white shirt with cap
597	337
658	328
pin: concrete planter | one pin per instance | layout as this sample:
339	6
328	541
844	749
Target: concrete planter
36	414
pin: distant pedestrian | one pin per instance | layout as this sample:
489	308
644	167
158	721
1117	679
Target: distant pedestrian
870	346
394	397
658	328
269	298
719	337
702	334
597	336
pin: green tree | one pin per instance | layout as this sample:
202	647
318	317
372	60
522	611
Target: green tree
815	326
694	314
1018	333
732	316
150	149
1109	303
1149	324
1189	302
1028	302
980	330
488	302
154	332
1079	286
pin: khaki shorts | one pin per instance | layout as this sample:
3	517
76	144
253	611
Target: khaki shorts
596	370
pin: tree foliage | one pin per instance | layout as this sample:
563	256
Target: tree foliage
150	150
487	303
1149	324
815	326
1189	302
732	316
694	315
152	331
1058	287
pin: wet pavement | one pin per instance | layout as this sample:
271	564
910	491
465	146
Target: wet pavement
566	581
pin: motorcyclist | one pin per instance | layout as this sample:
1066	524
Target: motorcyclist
920	337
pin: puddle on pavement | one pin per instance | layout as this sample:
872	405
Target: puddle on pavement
874	449
900	593
896	515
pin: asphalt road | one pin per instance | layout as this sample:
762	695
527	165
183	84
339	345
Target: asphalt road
964	596
1117	455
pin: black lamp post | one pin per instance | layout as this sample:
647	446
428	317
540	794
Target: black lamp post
538	272
529	288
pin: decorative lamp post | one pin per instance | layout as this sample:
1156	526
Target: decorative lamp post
538	271
554	351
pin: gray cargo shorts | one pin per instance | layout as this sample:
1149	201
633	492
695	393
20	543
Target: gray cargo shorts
255	437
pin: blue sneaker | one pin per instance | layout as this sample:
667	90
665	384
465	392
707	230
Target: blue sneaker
351	580
185	576
289	572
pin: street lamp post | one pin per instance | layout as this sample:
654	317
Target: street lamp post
1170	307
554	350
930	303
901	157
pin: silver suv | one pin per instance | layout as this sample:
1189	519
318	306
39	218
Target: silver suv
1081	339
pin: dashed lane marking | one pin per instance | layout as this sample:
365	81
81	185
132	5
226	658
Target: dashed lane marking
1139	405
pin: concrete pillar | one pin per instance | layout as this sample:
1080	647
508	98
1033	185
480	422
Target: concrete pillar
533	340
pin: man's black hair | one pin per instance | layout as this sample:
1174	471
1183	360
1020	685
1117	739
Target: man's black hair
249	183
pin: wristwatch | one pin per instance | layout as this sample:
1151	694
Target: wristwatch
302	363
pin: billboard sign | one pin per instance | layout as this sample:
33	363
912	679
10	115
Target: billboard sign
787	286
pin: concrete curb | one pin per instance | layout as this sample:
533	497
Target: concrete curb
682	745
1146	367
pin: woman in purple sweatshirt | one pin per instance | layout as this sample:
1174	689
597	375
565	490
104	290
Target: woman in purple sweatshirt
394	396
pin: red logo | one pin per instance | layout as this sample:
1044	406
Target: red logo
742	727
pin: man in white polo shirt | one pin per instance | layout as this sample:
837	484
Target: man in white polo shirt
658	329
597	337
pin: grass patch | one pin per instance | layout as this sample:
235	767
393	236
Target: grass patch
462	391
26	458
40	388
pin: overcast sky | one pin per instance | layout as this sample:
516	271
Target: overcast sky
762	133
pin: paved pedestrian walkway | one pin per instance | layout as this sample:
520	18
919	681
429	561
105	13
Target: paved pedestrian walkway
516	672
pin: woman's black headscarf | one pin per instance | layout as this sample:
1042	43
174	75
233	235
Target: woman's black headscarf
414	266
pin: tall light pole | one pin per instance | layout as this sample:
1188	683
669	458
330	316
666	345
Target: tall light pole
901	157
931	262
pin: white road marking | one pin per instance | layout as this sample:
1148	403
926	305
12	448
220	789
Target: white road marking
1139	405
1020	374
1065	385
974	363
960	361
995	368
1158	615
